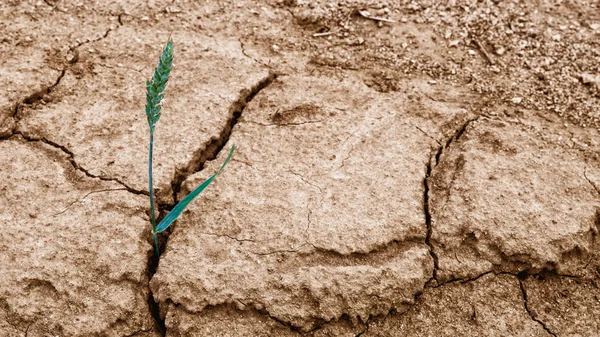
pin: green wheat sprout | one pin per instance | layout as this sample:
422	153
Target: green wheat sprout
154	97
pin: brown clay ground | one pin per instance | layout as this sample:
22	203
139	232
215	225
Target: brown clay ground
438	175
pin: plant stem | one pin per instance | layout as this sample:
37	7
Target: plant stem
152	216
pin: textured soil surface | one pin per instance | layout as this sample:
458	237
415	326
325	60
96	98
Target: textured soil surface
403	168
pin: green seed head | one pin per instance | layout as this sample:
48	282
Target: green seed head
157	85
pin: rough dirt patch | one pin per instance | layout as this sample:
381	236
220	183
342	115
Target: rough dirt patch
566	306
88	126
403	168
489	306
310	236
516	197
74	248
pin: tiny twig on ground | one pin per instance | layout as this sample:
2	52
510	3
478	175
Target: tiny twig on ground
322	34
483	50
367	15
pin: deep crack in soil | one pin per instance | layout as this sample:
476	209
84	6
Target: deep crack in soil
213	147
208	152
428	221
429	171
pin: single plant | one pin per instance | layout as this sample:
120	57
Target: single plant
154	96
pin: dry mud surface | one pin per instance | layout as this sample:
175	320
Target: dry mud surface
403	168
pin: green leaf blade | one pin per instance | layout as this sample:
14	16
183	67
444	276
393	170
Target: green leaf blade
180	207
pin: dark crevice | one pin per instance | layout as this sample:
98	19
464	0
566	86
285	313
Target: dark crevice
526	305
366	327
37	96
426	207
457	135
34	99
50	4
153	306
212	149
470	279
428	222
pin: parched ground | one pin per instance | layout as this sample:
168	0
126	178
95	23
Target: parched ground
403	168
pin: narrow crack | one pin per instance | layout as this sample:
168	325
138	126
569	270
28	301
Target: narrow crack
457	135
427	212
287	124
27	330
470	279
85	196
103	36
590	181
426	134
243	48
32	99
526	305
75	164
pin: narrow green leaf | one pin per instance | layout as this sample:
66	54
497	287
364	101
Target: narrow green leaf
178	209
226	159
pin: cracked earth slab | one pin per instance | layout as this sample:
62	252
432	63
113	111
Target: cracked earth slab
516	196
75	249
227	320
320	213
46	37
97	109
567	306
488	306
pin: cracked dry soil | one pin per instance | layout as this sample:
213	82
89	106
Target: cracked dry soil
433	173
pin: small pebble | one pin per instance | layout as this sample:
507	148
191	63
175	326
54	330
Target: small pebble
453	43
